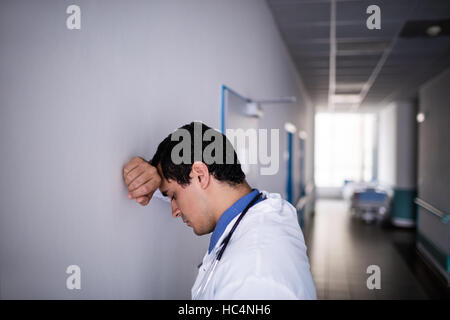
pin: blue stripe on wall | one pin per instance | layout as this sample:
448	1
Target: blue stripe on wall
289	180
403	205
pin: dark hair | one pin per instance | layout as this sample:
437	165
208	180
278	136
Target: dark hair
223	171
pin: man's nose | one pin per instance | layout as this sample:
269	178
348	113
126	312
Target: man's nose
176	212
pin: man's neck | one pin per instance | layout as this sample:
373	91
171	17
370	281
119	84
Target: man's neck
227	195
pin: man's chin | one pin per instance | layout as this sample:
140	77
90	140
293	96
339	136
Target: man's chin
199	233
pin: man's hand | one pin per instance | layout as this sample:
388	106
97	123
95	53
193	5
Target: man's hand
142	180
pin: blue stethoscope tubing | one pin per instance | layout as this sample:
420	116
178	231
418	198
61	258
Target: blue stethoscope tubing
201	289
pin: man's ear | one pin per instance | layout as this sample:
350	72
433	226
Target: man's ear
200	172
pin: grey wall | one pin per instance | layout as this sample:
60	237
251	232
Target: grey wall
76	105
434	168
397	159
434	137
397	145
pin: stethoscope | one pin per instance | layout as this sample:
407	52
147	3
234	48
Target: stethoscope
202	287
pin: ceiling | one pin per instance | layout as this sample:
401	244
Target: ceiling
379	66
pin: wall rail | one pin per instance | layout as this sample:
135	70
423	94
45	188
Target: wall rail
444	217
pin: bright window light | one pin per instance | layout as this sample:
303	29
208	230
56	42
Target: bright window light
344	148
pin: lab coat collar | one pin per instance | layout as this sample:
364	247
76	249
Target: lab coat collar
229	214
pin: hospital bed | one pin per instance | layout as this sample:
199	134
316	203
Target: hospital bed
370	204
367	200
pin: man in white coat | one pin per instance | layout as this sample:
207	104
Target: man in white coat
257	249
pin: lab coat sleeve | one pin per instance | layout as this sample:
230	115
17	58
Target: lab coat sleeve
254	288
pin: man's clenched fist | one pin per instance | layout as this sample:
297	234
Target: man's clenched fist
142	180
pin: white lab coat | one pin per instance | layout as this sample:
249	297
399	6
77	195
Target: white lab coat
265	258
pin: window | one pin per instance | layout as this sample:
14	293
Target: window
344	148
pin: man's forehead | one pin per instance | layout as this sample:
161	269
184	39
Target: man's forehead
165	185
164	188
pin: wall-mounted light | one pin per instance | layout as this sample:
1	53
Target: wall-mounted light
421	117
254	110
289	127
253	107
303	135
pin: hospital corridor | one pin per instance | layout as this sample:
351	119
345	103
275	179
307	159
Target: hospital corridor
225	150
340	247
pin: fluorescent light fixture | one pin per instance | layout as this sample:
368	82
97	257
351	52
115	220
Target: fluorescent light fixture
349	87
433	31
346	98
361	47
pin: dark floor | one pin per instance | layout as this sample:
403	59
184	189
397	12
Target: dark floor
341	247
